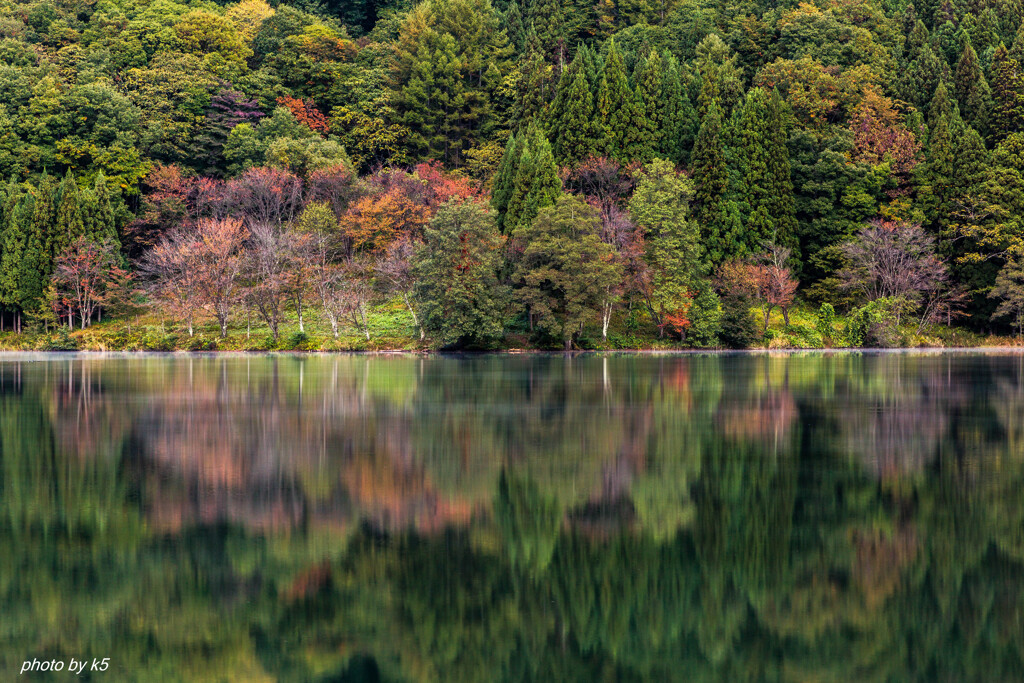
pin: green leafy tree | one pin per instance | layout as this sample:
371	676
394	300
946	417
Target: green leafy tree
660	206
565	272
456	271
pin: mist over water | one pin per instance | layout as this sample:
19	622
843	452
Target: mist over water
697	517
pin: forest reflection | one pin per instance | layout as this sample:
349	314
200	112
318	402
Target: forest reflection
795	517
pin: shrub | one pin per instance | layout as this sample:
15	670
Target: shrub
826	323
738	329
61	341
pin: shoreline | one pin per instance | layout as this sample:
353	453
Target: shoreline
10	354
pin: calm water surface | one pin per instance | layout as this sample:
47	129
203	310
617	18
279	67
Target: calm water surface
808	517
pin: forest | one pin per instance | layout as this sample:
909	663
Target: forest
527	173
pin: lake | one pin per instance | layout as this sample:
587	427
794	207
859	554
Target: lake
694	517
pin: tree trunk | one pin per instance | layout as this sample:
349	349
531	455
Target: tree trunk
606	318
415	320
362	314
223	328
785	316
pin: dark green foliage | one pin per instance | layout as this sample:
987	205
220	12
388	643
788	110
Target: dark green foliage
573	130
713	208
536	183
227	109
738	327
565	273
971	90
456	270
1007	94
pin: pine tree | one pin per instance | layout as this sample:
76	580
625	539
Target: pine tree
546	18
1007	94
537	184
515	27
650	127
711	178
44	222
69	225
720	77
98	213
781	203
504	183
617	108
922	76
677	116
533	91
36	264
572	120
971	90
936	174
755	166
12	245
942	106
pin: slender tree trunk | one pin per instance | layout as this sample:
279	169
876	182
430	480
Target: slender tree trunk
606	318
362	313
415	319
298	309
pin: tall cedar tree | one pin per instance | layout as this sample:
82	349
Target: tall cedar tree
764	164
504	182
69	225
677	117
572	130
971	90
1007	94
617	109
650	127
12	245
456	274
536	182
711	177
451	58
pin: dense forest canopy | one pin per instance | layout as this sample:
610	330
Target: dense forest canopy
867	155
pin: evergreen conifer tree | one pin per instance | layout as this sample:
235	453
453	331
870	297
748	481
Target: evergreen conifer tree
537	184
711	178
617	108
781	203
572	124
971	90
69	225
1007	94
677	116
505	178
12	246
651	109
43	226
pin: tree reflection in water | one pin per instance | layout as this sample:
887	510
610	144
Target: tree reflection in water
546	518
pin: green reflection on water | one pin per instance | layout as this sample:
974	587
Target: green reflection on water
615	518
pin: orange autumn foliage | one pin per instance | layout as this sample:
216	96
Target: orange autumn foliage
375	222
306	113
